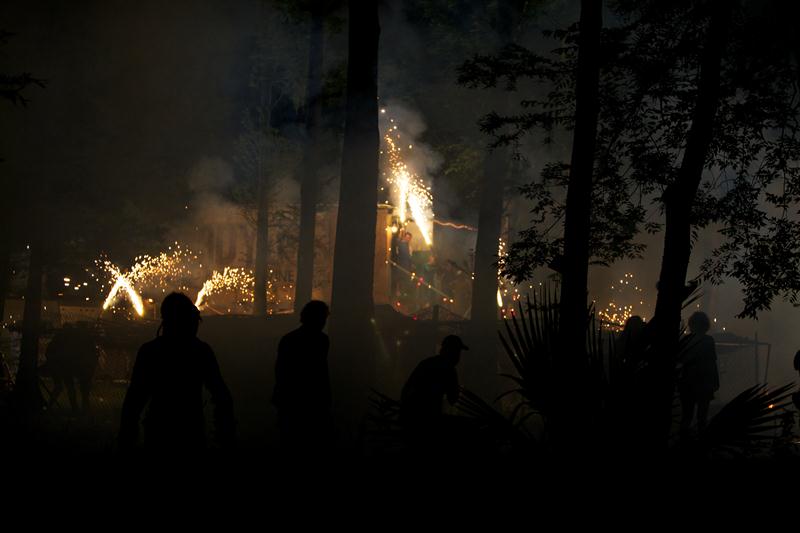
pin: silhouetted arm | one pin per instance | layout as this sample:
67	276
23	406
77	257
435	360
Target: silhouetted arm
136	398
224	421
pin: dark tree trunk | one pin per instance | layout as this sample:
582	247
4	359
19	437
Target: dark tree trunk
5	279
679	200
26	389
262	249
575	269
480	370
354	255
309	187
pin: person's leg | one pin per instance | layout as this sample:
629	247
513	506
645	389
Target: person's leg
702	413
688	403
73	400
85	385
58	386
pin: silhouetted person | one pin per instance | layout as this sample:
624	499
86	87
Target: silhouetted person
169	374
699	377
72	356
404	265
632	341
404	252
302	391
433	380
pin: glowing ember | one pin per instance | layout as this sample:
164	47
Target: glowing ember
412	194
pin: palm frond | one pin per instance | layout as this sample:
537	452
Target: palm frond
747	418
488	418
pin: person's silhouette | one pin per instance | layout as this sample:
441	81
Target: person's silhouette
72	355
699	377
431	381
169	374
302	391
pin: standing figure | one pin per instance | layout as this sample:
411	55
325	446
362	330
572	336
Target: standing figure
699	377
404	268
302	391
72	356
168	378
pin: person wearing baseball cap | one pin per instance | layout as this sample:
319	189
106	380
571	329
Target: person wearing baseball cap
431	381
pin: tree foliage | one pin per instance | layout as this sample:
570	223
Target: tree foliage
651	61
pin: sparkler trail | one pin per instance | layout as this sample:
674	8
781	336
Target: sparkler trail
454	225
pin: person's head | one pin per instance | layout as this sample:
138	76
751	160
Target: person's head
407	236
451	348
179	316
699	323
633	326
314	314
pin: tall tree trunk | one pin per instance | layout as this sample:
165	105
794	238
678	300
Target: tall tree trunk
26	389
262	214
351	303
262	248
5	278
679	199
310	167
480	369
574	275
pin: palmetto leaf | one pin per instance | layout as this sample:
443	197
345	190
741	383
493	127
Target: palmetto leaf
747	418
487	417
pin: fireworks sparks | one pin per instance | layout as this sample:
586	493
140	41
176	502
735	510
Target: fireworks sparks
179	269
615	314
411	192
236	280
123	284
168	270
